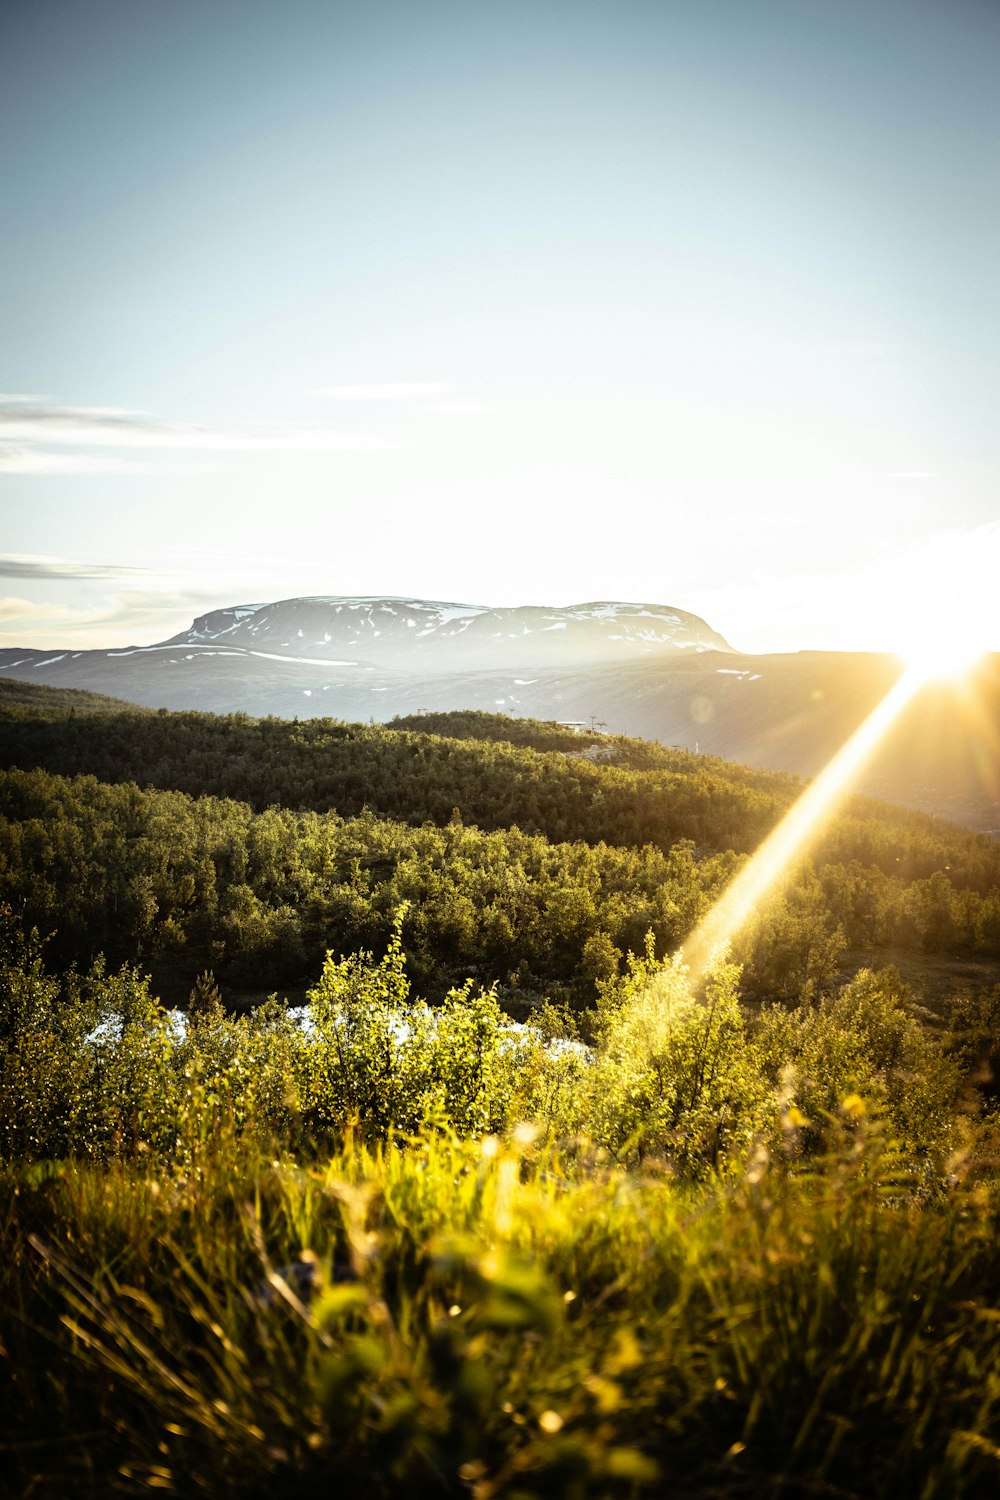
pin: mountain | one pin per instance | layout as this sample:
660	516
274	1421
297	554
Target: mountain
644	669
372	657
226	650
401	634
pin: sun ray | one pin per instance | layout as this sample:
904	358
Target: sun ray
709	942
973	693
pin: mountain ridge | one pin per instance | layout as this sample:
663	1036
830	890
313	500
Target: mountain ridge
391	631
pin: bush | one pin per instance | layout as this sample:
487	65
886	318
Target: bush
674	1074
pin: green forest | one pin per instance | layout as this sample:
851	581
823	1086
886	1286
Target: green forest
360	1123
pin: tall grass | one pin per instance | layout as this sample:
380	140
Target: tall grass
442	1317
736	1256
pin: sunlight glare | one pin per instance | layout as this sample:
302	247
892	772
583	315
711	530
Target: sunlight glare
937	604
709	943
945	658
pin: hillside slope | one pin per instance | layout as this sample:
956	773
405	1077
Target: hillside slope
637	669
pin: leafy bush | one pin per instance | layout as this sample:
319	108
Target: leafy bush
674	1074
389	1063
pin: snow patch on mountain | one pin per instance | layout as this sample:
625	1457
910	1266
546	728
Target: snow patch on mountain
396	633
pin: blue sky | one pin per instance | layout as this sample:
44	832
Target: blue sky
690	302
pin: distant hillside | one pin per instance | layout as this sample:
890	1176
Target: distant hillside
640	669
31	700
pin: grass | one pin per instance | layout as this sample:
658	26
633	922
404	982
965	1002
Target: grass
497	1318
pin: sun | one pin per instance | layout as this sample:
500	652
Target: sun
936	604
941	638
947	658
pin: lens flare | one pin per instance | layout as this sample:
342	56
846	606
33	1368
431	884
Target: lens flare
708	944
934	604
943	661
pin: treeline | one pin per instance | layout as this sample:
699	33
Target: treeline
619	749
324	765
643	794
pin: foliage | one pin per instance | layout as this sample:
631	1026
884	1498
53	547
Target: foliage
497	771
862	1044
392	1064
675	1074
97	1068
525	863
193	884
487	1318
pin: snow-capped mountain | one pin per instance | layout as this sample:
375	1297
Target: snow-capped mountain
402	634
376	657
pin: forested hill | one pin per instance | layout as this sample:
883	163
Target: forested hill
490	770
634	793
188	841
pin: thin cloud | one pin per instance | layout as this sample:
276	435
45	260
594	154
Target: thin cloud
27	460
119	427
29	617
123	619
17	565
13	608
387	391
460	409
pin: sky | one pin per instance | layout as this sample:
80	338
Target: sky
693	302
